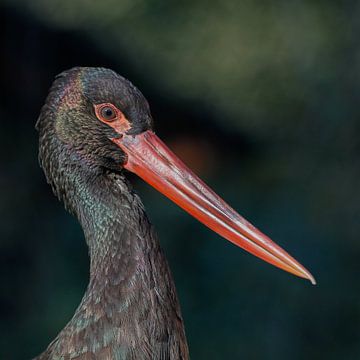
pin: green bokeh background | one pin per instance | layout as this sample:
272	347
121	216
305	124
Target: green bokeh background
262	100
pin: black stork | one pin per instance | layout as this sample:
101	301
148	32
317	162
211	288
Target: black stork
93	126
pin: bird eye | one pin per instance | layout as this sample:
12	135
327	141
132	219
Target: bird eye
108	113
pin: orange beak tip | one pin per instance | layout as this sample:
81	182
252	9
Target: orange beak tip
312	279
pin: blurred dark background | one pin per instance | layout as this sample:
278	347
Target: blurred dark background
261	99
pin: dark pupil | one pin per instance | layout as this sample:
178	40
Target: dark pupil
108	113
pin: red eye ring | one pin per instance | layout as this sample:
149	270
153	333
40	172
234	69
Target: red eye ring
107	112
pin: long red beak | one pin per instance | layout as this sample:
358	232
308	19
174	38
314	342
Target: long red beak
154	162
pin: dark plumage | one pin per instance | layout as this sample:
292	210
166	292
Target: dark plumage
130	309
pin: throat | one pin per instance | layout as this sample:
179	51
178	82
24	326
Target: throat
130	304
122	246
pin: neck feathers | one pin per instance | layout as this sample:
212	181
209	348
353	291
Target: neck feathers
130	309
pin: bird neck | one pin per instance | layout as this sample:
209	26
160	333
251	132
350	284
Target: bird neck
130	305
117	230
123	249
